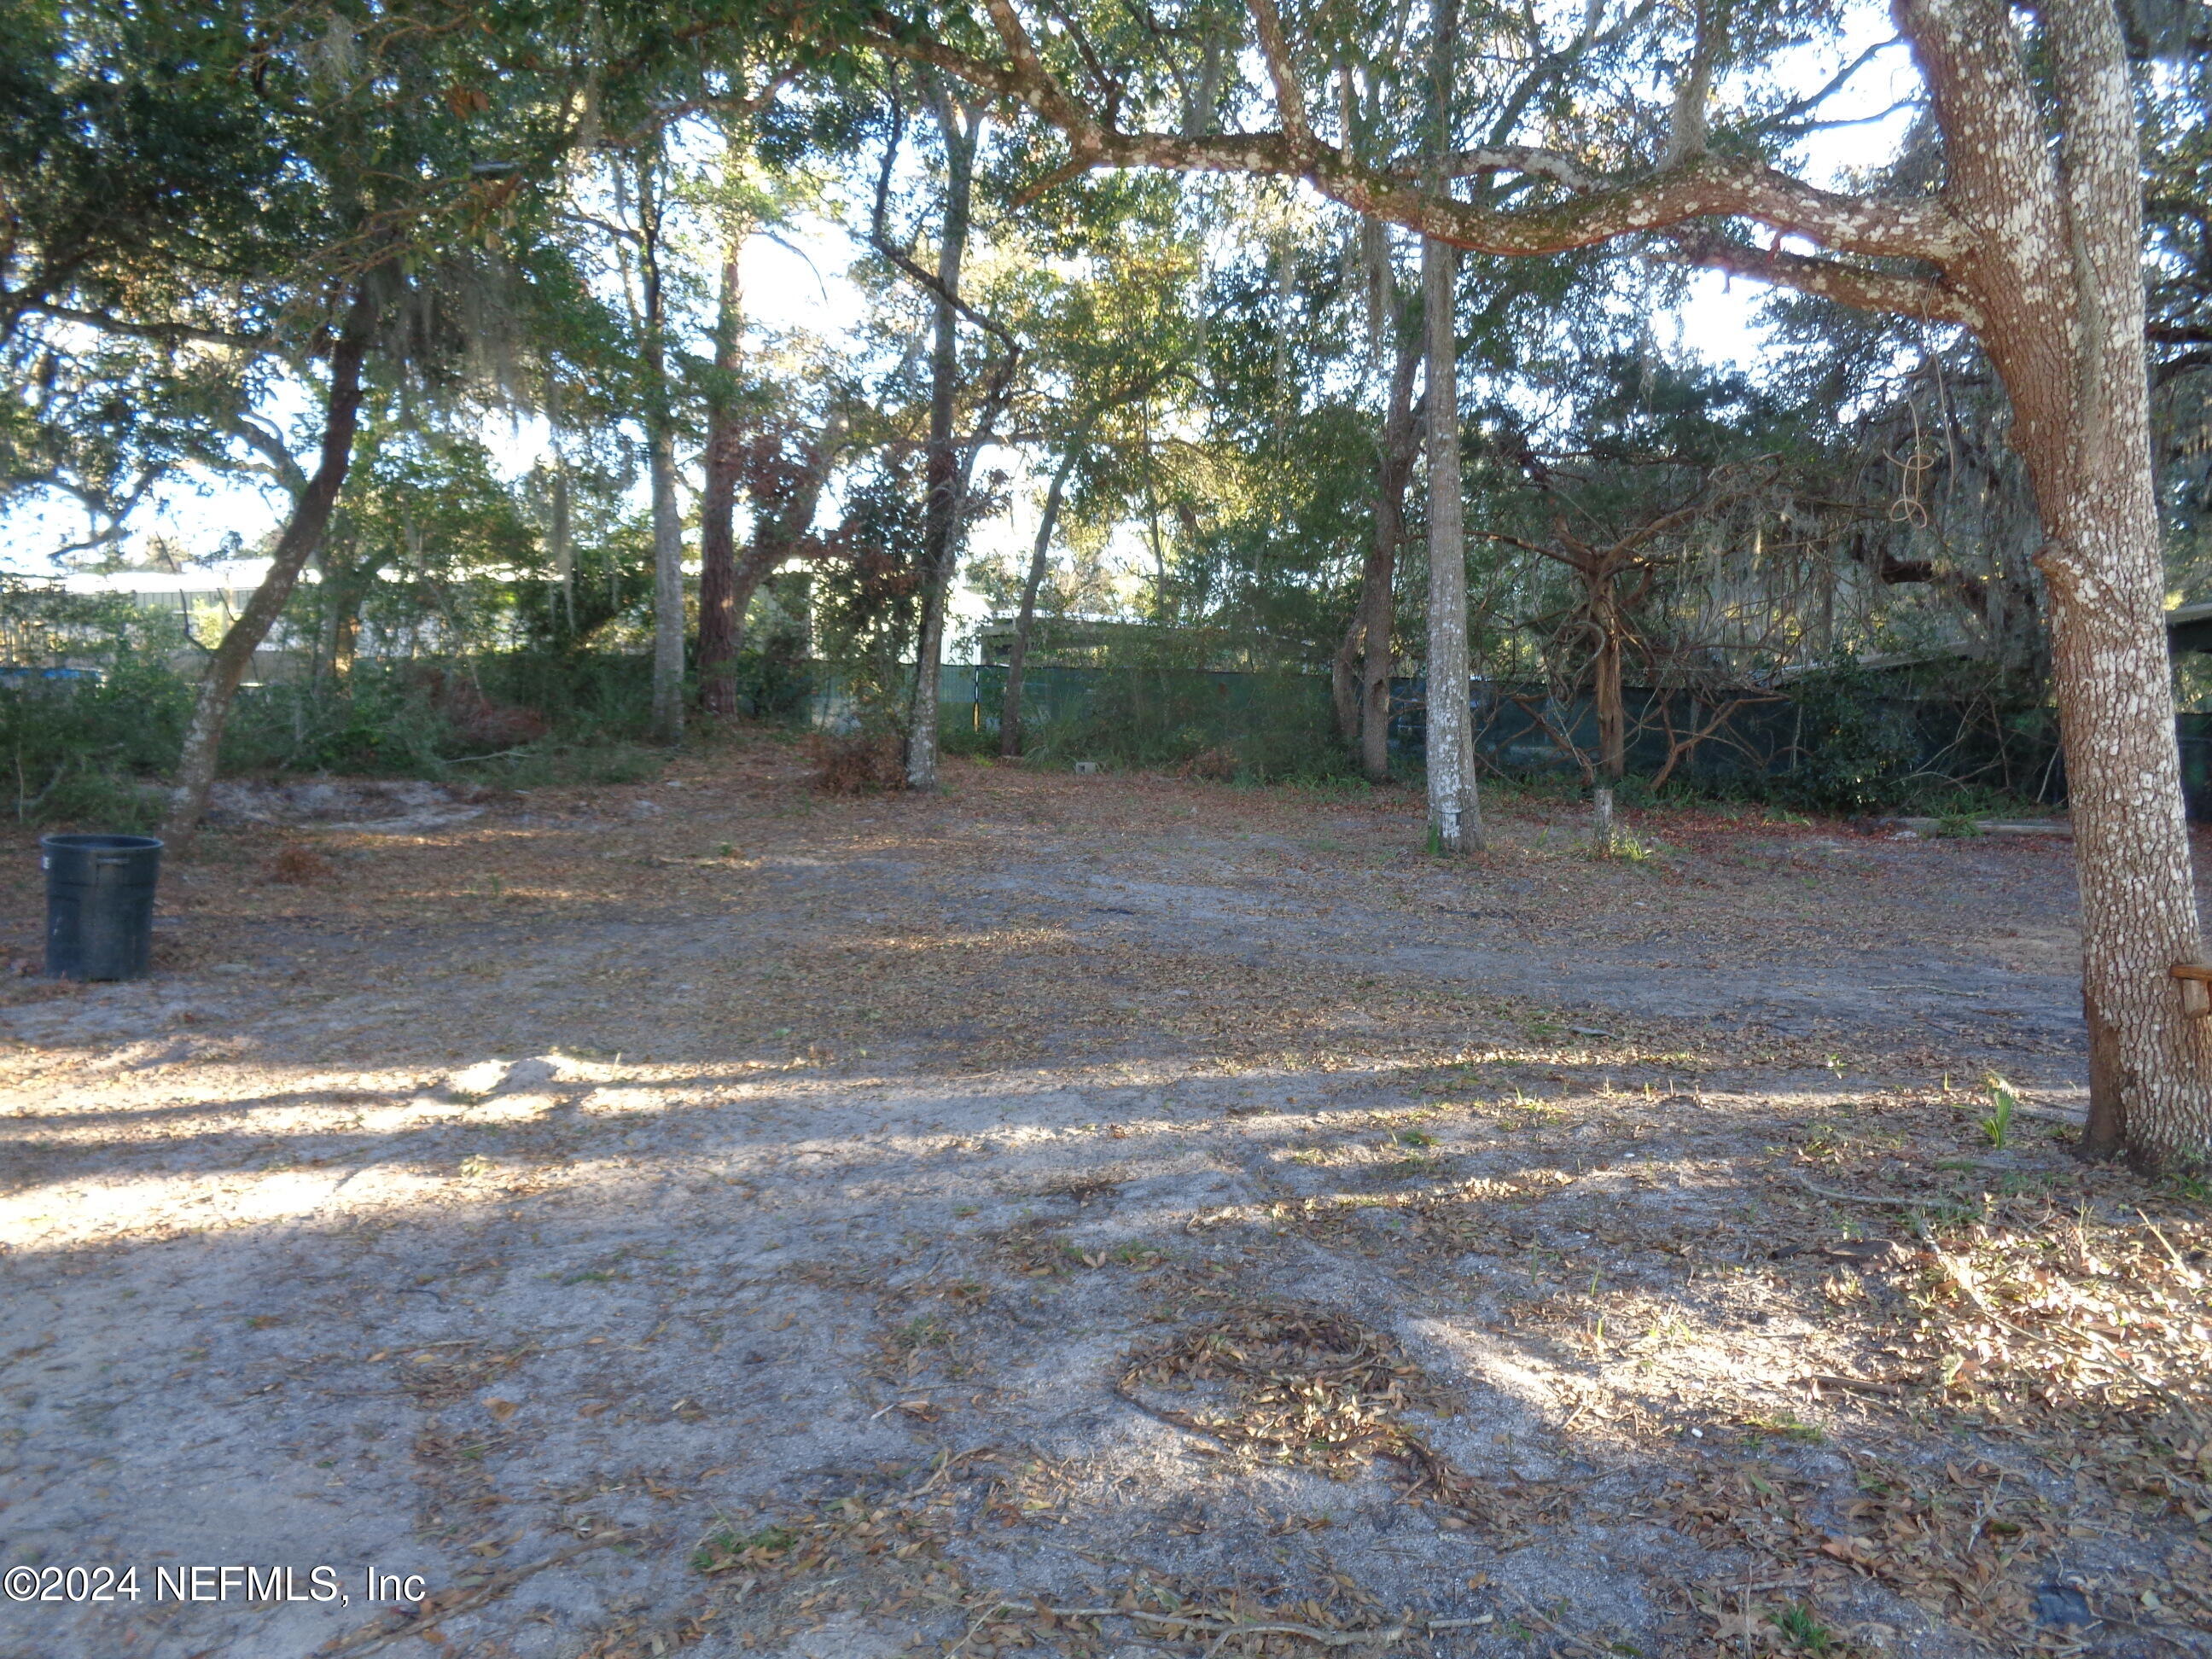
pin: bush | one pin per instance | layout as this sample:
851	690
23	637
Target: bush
1857	750
378	721
81	745
88	750
536	713
772	685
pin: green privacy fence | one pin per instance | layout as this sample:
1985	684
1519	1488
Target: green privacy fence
1280	725
1263	726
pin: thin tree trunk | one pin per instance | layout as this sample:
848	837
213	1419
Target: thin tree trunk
338	597
1612	713
718	622
1377	591
311	517
1455	819
1010	710
1344	667
941	468
661	448
345	582
564	545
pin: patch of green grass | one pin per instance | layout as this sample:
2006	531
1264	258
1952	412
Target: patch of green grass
1997	1125
926	1331
1802	1631
1786	1426
719	1550
2195	1186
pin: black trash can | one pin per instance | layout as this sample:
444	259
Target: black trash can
99	904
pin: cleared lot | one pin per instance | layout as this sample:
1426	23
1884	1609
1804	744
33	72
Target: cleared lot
711	1213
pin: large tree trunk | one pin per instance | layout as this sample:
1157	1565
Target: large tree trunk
2057	267
660	453
719	623
1017	658
1454	817
311	517
941	469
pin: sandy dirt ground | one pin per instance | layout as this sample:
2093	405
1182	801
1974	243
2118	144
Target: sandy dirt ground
1094	1215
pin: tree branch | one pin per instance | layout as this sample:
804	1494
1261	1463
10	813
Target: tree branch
1835	83
1290	93
1931	299
136	330
1698	186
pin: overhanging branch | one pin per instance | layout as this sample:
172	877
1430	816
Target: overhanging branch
1598	208
1931	299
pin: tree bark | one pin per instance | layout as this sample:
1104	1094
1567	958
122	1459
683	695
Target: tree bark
661	452
941	466
1010	709
2057	270
303	533
1455	815
719	623
1612	713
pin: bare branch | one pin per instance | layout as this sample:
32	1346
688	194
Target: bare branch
134	328
1931	299
1835	83
1516	158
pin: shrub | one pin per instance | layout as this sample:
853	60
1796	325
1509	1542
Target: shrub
298	866
857	762
86	750
1855	749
